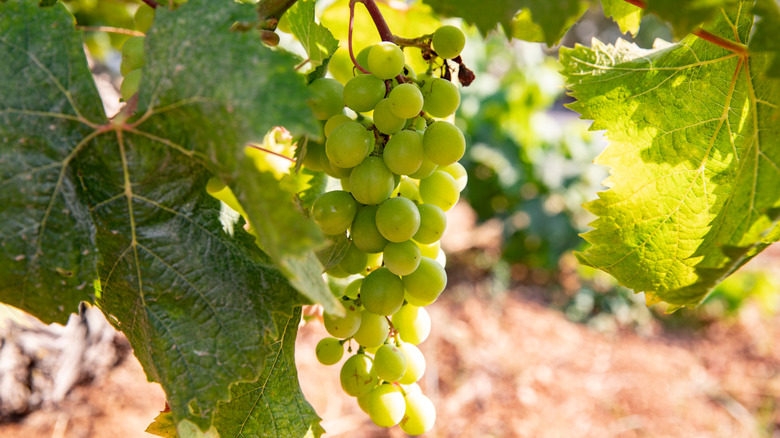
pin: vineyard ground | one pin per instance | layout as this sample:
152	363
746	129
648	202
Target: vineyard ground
505	365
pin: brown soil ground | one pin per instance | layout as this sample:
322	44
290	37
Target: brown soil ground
506	365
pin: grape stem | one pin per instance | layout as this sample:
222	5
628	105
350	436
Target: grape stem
151	3
381	26
109	29
254	146
705	35
349	38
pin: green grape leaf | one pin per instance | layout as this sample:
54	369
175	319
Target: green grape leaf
316	39
163	425
48	255
554	17
686	16
694	155
124	200
485	17
626	15
765	38
256	410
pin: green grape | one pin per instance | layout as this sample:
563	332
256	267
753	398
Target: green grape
344	182
441	97
363	402
353	289
329	351
133	55
382	292
385	60
334	171
334	211
373	330
385	121
398	219
424	285
444	143
371	181
427	167
409	190
459	173
412	388
362	58
431	251
334	122
406	101
415	363
344	326
349	144
419	414
214	185
433	221
403	153
315	158
385	405
130	84
363	92
144	17
412	323
389	363
374	262
356	376
354	261
337	272
326	100
448	41
402	258
364	233
439	189
441	259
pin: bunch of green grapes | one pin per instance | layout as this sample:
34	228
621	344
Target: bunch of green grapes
399	174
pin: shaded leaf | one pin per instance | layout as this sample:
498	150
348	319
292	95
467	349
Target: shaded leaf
694	159
686	16
765	38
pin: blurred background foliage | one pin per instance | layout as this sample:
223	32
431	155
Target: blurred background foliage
529	161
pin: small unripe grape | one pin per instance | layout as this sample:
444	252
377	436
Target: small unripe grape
334	171
143	17
408	189
389	363
431	251
439	189
345	326
398	219
130	84
444	143
364	233
458	172
406	101
403	153
329	351
315	158
334	211
441	97
362	58
386	60
427	167
415	363
373	330
334	122
371	181
363	92
349	144
382	292
448	41
386	405
354	261
384	119
433	221
402	258
419	414
133	55
426	283
413	323
326	100
353	289
356	376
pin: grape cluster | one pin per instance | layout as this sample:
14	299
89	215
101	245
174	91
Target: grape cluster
399	174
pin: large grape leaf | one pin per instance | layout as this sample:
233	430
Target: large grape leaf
685	16
694	154
316	39
124	201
